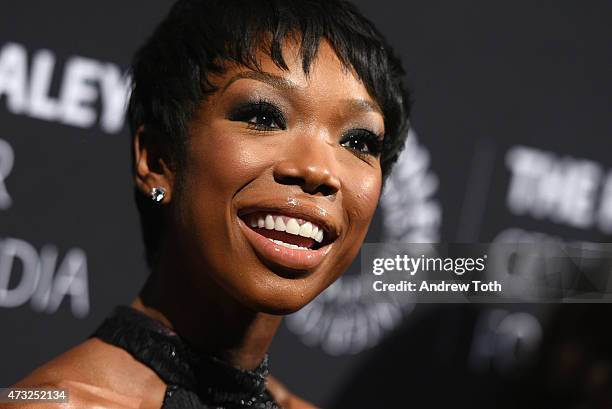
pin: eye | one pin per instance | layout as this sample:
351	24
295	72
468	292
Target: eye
260	115
363	142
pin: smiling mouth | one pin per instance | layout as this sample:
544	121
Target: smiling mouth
286	231
290	242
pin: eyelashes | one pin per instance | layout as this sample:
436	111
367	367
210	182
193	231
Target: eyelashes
363	142
262	115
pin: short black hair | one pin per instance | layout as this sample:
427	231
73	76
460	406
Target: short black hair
199	37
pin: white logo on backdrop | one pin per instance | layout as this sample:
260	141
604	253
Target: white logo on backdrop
563	189
85	84
344	320
7	159
42	281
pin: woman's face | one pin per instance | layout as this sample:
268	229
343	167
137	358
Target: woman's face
281	180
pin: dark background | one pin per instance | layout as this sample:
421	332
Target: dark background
487	78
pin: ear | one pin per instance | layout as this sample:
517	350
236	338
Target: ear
152	163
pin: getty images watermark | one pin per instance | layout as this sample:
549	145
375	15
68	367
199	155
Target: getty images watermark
508	272
411	265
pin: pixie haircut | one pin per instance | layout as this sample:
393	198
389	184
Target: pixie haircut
170	73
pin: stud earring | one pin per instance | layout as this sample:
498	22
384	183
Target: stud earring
157	194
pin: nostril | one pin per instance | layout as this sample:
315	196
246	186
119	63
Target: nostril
326	190
309	186
290	180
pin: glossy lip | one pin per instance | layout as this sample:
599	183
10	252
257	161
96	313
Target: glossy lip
292	259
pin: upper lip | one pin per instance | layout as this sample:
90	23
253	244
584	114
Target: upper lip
300	210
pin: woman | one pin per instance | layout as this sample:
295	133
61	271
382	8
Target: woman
262	133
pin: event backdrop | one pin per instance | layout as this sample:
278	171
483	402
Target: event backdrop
511	141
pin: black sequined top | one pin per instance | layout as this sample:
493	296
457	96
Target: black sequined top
193	380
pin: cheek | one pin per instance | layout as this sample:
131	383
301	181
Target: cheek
220	162
361	193
361	199
223	158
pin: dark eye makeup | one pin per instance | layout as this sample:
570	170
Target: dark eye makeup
263	115
362	141
260	115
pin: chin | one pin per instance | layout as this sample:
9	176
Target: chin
279	303
271	291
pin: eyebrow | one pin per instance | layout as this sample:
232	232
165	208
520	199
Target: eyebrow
284	84
362	105
271	79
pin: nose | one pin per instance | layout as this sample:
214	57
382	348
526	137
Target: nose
310	164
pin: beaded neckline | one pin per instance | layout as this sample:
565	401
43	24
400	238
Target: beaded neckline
193	380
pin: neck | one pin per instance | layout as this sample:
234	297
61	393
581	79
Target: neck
213	322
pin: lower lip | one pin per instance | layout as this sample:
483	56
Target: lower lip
284	256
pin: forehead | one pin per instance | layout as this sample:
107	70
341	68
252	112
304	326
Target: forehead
326	78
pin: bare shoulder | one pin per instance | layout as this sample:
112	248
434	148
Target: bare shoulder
96	374
285	397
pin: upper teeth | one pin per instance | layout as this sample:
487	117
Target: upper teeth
289	225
